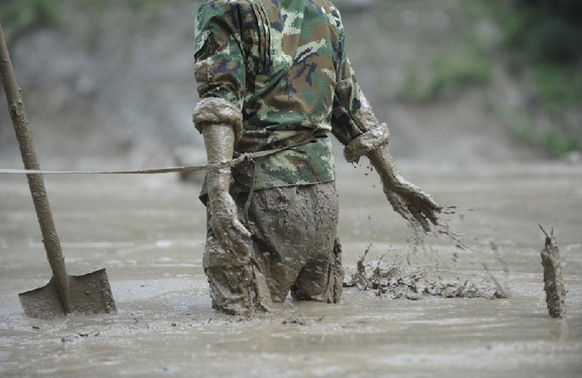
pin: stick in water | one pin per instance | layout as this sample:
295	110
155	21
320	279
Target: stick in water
553	283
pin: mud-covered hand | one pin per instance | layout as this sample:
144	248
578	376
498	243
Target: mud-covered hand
406	199
372	140
228	229
224	221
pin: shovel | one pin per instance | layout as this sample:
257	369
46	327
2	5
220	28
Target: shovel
64	294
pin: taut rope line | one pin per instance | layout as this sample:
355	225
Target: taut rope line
183	168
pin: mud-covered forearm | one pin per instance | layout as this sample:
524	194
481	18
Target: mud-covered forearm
372	135
219	143
406	199
220	123
383	163
219	126
224	221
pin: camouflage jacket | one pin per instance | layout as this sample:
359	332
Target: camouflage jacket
283	64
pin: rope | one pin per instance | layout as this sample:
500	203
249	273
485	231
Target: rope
183	168
186	168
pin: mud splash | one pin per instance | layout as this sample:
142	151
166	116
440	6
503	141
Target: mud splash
408	280
393	281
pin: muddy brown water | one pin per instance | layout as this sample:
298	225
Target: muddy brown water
148	231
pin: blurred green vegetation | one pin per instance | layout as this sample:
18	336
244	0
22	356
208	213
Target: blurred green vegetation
540	42
460	59
450	73
18	16
543	43
540	45
544	31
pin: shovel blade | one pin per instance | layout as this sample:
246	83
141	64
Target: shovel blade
90	294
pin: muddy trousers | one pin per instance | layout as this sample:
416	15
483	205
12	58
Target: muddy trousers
294	249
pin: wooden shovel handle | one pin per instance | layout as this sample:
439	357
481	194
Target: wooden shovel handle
51	241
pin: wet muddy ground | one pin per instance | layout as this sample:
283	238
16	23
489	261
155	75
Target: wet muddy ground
147	231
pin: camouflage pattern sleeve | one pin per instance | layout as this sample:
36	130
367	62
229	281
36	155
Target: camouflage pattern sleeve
346	101
353	121
346	104
218	51
283	65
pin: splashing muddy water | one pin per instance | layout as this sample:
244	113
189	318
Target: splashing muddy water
148	231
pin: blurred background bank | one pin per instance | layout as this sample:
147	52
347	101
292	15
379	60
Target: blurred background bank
110	83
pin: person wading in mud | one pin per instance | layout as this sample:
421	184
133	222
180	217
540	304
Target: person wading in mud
274	76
